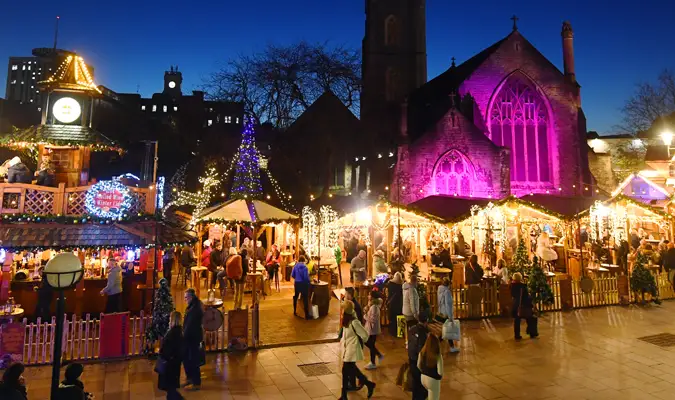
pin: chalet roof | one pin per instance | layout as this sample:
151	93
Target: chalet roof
567	207
59	135
32	235
657	152
72	74
245	211
449	208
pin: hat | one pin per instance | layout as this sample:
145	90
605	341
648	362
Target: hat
379	253
398	278
207	243
14	161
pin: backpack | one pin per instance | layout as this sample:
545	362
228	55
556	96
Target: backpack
233	267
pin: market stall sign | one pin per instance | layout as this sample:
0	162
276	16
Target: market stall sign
108	199
11	343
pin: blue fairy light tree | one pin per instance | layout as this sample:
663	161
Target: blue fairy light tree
246	180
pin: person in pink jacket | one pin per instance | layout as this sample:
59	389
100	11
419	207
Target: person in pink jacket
373	327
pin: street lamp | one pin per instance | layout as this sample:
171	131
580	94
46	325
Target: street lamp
62	272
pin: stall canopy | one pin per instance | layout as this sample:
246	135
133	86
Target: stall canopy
247	212
641	188
62	236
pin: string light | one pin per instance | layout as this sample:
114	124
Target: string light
246	180
199	200
108	199
72	74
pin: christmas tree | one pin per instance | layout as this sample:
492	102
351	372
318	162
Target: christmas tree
537	285
246	181
520	262
163	307
421	288
642	281
489	250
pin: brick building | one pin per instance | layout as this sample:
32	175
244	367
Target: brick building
506	121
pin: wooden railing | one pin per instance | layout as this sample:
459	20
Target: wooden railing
23	198
81	339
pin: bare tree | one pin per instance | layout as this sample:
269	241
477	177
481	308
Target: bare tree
650	102
279	83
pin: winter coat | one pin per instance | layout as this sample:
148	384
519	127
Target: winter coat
380	266
358	268
72	390
394	305
206	258
172	352
187	256
114	285
216	259
351	349
517	290
192	324
19	173
46	178
9	392
373	318
445	302
411	301
473	274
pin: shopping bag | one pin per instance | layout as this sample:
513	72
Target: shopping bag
315	312
404	377
451	330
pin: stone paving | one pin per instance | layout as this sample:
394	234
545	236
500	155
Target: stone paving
583	354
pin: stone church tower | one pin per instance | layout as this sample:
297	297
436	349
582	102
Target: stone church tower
394	64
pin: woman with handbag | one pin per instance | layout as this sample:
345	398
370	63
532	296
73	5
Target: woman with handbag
352	336
522	308
445	307
170	358
430	364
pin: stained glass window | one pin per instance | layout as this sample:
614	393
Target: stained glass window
519	121
453	174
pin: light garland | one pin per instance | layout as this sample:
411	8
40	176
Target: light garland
246	181
80	73
161	181
329	228
199	200
310	231
114	206
64	219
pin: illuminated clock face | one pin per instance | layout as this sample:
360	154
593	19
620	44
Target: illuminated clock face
172	84
66	110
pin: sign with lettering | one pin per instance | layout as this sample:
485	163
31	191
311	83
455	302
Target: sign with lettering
114	339
11	343
108	199
237	329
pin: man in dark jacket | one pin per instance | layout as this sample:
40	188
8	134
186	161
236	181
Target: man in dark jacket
18	172
473	273
187	259
216	262
193	337
44	294
417	336
72	387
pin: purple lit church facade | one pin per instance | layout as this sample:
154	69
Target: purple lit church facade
505	122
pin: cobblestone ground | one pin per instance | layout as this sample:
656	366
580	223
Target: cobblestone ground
584	354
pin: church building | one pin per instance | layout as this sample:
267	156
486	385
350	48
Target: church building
504	122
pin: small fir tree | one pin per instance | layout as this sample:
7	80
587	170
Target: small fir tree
537	285
642	281
421	288
489	250
161	312
520	262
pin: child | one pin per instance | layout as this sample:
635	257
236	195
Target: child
373	327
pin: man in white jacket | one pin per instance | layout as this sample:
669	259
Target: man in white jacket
411	300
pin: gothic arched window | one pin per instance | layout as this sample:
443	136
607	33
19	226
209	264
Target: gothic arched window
391	31
453	174
391	84
518	120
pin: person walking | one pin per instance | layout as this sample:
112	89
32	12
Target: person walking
411	300
395	302
373	327
239	283
522	308
430	364
352	334
417	337
170	358
301	283
13	385
445	307
113	288
193	336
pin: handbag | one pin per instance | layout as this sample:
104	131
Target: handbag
404	377
451	330
202	354
161	365
524	311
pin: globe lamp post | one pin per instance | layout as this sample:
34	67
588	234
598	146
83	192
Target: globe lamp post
62	272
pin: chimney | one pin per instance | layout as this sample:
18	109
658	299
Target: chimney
568	50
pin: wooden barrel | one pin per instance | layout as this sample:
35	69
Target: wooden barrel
321	297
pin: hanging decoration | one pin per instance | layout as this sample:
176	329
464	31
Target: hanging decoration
74	220
310	231
329	228
161	182
108	199
199	200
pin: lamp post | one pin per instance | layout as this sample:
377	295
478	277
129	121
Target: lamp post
62	272
667	137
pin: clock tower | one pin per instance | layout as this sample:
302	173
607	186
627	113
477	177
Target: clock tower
172	82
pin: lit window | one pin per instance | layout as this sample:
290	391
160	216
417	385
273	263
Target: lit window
23	68
154	108
31	100
210	109
209	122
14	82
237	120
39	108
175	108
142	108
164	108
228	119
15	67
29	67
22	83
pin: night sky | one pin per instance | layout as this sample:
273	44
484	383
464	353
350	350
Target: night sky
132	43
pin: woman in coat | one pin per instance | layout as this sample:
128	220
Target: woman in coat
193	335
430	364
172	353
352	334
445	307
395	302
522	308
373	327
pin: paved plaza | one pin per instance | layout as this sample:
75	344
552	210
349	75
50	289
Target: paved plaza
582	354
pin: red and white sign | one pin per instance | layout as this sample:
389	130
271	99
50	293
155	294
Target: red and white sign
109	199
